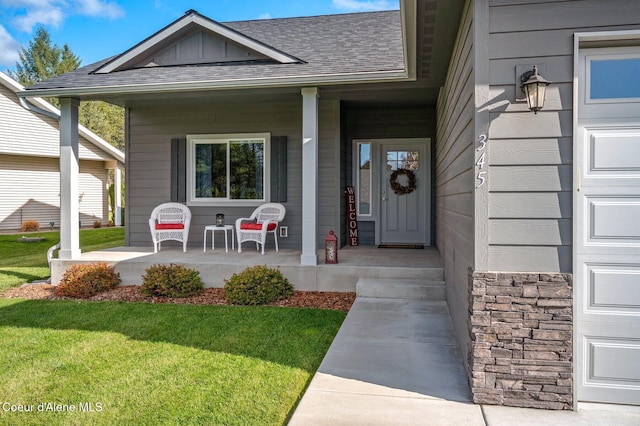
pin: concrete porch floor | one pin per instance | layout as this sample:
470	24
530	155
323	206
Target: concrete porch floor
217	265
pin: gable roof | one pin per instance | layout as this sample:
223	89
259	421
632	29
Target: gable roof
190	22
330	49
110	152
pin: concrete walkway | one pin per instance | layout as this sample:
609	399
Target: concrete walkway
395	362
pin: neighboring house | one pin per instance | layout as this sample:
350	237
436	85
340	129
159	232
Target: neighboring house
535	215
29	164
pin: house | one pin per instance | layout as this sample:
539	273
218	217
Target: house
29	165
535	215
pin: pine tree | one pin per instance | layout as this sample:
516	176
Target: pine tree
43	60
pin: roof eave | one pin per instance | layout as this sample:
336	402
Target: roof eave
267	82
102	144
409	16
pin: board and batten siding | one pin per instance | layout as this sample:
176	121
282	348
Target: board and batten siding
30	188
151	128
530	155
453	159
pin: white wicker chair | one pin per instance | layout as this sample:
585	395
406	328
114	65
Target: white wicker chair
264	220
170	221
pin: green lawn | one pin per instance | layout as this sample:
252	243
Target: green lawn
105	363
22	262
148	364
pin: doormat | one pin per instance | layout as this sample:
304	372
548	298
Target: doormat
402	246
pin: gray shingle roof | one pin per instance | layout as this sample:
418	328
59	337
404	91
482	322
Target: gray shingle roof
329	45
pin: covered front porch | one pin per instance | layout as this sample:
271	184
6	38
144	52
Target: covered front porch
217	265
334	119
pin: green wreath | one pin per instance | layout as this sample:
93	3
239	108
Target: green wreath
401	189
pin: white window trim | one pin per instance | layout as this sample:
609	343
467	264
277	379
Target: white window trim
192	140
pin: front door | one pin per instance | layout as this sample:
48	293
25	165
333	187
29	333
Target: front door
607	231
405	193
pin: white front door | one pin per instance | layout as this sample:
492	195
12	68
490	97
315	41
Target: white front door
404	211
607	227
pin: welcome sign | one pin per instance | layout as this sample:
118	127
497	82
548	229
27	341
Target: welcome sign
352	216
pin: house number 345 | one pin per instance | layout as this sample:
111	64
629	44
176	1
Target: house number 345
480	162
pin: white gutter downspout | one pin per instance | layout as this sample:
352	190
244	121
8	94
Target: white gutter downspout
117	195
30	107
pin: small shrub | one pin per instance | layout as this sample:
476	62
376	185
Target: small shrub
171	281
86	280
30	226
257	285
97	224
110	224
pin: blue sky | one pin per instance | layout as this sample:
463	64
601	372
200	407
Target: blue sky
97	29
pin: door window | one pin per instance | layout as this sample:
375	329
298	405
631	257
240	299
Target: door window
403	160
611	77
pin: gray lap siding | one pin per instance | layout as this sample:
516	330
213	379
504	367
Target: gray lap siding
521	297
151	129
530	155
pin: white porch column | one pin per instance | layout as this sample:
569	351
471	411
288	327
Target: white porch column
309	176
117	195
69	177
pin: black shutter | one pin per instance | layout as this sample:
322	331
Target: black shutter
179	170
279	169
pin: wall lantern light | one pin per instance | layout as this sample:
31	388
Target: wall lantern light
219	219
534	86
331	248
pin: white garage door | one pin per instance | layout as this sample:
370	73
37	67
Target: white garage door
607	226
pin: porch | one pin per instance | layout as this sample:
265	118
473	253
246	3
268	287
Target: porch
217	265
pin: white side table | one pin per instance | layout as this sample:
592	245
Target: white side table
213	229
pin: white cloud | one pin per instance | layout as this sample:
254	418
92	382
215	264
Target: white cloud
363	6
265	16
29	13
106	8
46	12
9	48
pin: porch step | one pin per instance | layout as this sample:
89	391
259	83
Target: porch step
401	289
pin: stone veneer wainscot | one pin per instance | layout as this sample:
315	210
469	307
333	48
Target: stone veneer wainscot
520	353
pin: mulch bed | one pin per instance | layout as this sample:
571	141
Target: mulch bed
339	301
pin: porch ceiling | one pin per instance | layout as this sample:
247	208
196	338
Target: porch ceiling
437	28
389	94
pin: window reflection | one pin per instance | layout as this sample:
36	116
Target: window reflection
402	160
364	179
246	170
211	170
231	169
